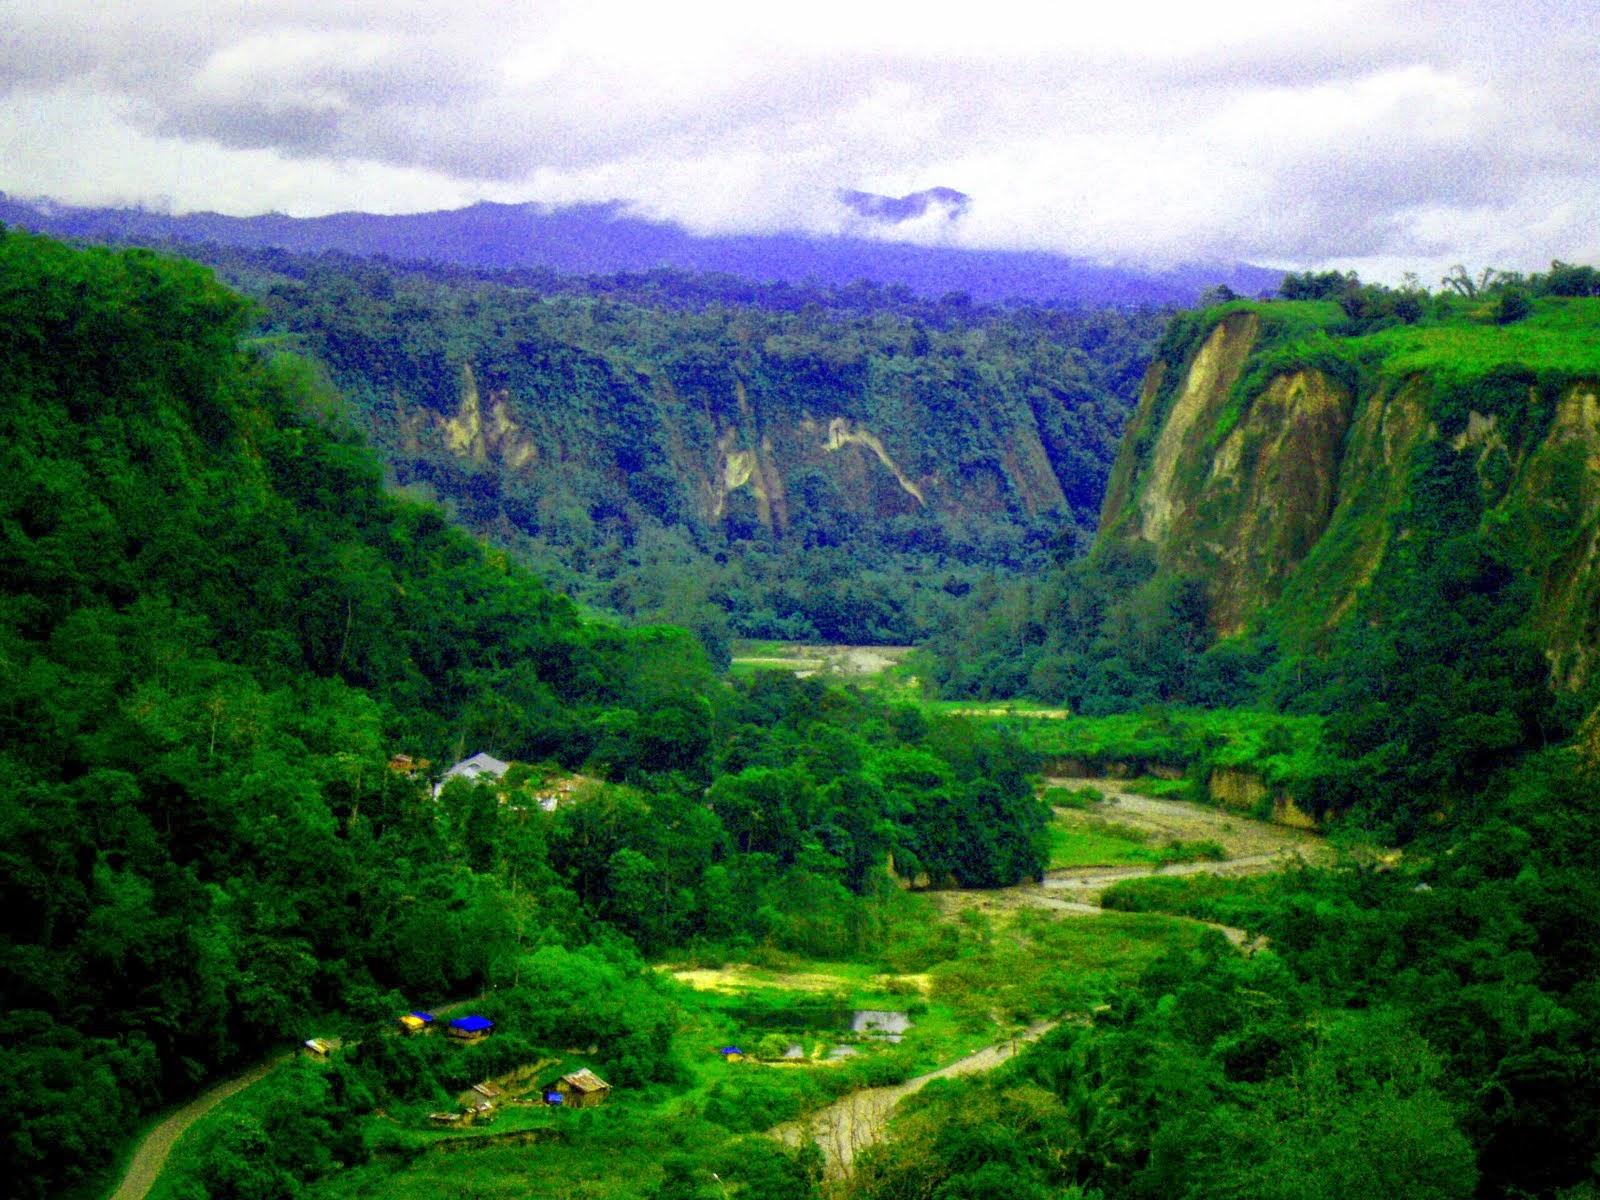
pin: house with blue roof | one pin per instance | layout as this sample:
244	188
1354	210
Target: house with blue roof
470	1028
416	1022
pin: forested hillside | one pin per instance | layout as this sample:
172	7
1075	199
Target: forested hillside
744	459
218	631
1376	506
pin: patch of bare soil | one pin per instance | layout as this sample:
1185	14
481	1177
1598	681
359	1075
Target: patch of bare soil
1038	714
844	661
860	1119
1249	846
742	977
1239	836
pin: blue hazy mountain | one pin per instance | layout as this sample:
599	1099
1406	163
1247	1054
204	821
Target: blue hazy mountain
604	239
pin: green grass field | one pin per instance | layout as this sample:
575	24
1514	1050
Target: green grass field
1280	748
1559	335
1092	843
981	978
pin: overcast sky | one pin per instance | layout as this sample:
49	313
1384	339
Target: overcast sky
1357	133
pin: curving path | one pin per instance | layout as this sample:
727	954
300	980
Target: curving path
1251	846
150	1155
858	1120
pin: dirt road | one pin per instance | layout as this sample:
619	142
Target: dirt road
1250	846
151	1154
859	1119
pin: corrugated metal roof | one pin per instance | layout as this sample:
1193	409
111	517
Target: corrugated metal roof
478	764
586	1081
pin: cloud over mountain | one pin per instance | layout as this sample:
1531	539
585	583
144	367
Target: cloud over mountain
1292	132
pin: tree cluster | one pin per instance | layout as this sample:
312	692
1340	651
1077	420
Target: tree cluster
218	630
627	383
1425	1032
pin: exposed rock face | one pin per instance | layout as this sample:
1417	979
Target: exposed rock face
1559	493
472	435
1239	509
1215	369
1245	791
842	432
1285	496
743	457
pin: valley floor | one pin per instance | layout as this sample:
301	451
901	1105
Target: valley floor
1248	846
1098	845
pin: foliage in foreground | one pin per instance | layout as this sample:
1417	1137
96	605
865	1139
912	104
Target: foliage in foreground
1427	1030
217	629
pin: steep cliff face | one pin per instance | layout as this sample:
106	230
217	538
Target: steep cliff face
840	464
1287	476
1556	500
742	455
473	434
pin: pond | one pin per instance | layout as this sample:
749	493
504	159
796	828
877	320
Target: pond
880	1023
867	1024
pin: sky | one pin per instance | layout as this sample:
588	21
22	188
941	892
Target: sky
1358	134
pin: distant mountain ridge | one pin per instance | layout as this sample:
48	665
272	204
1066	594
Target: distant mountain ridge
894	210
605	239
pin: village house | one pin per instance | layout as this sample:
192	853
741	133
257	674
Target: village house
470	1028
404	764
581	1089
472	770
416	1022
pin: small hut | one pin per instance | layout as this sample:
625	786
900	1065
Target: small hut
416	1022
581	1089
732	1054
319	1047
404	764
470	1029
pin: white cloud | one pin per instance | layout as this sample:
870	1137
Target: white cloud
1282	130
